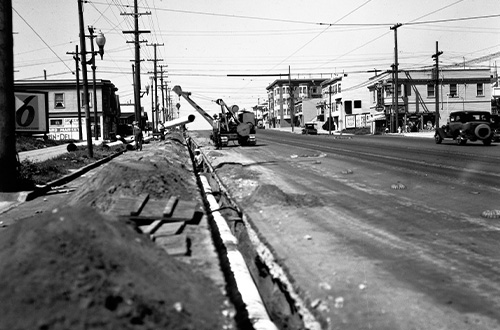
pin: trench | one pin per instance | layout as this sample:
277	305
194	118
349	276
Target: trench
283	306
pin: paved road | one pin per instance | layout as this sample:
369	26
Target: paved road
381	232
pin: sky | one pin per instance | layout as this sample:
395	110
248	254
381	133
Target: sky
207	45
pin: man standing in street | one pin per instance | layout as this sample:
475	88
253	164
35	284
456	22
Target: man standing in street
137	136
216	132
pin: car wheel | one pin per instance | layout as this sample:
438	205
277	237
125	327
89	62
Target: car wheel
438	138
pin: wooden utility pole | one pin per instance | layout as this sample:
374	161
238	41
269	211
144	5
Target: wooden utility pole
396	74
76	57
8	159
86	102
436	86
155	77
165	116
137	75
292	102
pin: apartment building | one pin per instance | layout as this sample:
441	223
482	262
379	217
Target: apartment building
279	95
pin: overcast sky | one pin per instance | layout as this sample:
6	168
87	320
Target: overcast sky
204	41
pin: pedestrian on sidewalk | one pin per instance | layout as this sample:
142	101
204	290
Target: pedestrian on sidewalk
138	136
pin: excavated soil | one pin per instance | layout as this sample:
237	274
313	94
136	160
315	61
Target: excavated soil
78	267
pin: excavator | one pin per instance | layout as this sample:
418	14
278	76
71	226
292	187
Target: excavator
234	126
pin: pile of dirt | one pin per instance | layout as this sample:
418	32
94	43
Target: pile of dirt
162	171
72	269
77	267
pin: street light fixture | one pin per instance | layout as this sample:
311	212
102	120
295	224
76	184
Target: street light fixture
101	41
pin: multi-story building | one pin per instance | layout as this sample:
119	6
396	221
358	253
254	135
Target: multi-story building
459	89
345	104
279	95
63	108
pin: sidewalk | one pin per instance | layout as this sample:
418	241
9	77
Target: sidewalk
298	130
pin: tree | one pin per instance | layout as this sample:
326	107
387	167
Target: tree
8	159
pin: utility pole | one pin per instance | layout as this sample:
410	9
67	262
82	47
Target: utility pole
330	110
436	86
8	159
292	103
76	57
155	73
396	72
85	79
137	75
165	117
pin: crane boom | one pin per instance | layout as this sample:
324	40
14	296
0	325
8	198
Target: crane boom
178	90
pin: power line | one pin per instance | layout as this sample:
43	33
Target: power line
42	40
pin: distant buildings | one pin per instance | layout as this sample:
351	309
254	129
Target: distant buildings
63	108
364	101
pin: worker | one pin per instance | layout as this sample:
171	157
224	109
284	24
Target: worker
137	136
216	132
198	160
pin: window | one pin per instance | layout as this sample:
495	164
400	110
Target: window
348	107
339	90
453	90
59	100
480	89
430	90
357	104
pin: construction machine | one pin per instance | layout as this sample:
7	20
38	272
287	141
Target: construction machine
234	126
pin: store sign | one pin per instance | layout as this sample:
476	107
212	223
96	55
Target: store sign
32	112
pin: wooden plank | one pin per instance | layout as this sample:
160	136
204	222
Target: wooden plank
127	205
141	200
185	210
169	208
153	227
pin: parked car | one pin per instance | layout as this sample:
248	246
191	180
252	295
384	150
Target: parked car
466	125
310	128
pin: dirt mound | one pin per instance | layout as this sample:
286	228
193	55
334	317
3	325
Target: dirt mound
72	269
161	171
267	194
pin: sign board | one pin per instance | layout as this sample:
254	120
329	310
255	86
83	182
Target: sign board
65	128
32	112
350	121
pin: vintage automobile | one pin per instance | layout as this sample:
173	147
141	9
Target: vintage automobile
309	128
466	126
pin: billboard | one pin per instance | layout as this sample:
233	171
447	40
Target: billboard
32	112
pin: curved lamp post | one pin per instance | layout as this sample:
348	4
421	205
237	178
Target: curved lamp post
101	41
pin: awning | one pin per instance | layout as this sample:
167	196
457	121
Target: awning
376	118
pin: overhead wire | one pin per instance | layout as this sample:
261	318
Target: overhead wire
40	37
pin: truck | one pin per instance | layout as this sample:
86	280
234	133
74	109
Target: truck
235	125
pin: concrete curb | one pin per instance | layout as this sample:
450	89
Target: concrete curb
257	312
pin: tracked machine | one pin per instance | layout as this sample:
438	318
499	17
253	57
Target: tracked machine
234	125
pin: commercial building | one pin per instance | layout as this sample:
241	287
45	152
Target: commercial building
63	108
459	89
345	101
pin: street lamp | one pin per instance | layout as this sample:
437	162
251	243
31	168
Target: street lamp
101	41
